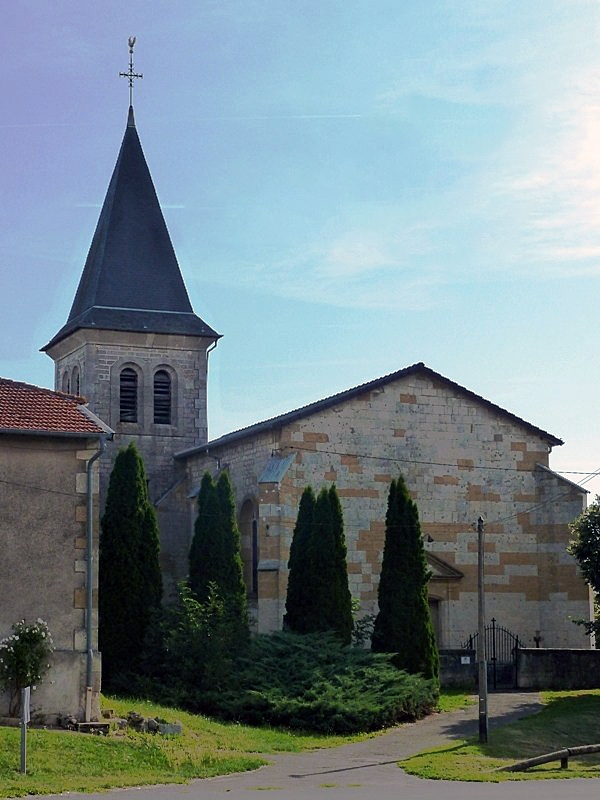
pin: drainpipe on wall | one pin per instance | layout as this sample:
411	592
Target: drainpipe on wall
89	605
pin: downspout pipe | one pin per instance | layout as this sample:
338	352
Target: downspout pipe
89	605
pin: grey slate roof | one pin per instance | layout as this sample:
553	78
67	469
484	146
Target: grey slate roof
131	280
336	399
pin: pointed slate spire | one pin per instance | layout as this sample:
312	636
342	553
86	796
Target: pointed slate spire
131	280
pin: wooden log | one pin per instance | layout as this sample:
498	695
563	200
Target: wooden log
558	755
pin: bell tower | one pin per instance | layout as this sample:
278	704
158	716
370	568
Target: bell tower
132	344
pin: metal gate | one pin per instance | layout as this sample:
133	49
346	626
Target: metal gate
501	647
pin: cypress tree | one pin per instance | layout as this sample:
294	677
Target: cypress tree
205	550
215	556
318	594
232	579
341	600
130	582
299	604
403	624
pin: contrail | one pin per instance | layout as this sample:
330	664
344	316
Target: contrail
282	116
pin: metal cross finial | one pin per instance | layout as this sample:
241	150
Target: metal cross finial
130	73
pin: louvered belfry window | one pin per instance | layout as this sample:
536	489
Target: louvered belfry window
162	398
128	397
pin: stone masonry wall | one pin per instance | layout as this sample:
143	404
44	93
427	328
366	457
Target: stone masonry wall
460	459
99	356
43	565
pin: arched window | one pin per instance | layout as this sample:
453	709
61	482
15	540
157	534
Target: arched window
66	383
162	397
128	395
75	380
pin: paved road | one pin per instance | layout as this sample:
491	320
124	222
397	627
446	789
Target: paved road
368	771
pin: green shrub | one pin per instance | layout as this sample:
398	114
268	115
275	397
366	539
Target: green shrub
313	682
299	681
190	648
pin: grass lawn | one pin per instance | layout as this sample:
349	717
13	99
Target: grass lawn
568	719
62	761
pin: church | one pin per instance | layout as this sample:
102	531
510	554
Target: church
133	346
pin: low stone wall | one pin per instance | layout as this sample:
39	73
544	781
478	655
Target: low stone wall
458	669
554	668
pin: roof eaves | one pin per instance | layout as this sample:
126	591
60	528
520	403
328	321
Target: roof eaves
52	433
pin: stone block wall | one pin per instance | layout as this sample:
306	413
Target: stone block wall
558	669
99	356
461	458
43	565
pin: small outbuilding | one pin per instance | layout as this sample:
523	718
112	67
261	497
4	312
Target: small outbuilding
49	517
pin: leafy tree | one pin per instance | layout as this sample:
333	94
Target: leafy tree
585	546
403	624
215	559
299	604
130	582
320	599
188	649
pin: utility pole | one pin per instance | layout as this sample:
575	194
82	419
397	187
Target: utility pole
482	682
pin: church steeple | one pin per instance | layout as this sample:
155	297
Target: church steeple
131	280
132	345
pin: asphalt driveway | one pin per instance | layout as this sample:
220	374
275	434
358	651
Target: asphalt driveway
368	770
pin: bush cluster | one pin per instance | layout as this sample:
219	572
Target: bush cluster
190	649
314	682
306	682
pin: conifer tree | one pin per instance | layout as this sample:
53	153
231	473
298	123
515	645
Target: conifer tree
339	608
205	550
215	558
130	582
320	598
232	582
403	624
299	604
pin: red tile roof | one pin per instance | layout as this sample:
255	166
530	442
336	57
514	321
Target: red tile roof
29	409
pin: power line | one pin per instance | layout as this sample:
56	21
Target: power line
421	462
31	487
468	468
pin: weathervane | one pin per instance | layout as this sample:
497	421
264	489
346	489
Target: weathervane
130	73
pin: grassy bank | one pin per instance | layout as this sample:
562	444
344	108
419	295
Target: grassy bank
568	719
61	761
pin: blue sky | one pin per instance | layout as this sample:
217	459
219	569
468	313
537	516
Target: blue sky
351	186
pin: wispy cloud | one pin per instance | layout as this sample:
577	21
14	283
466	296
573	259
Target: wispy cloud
497	120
